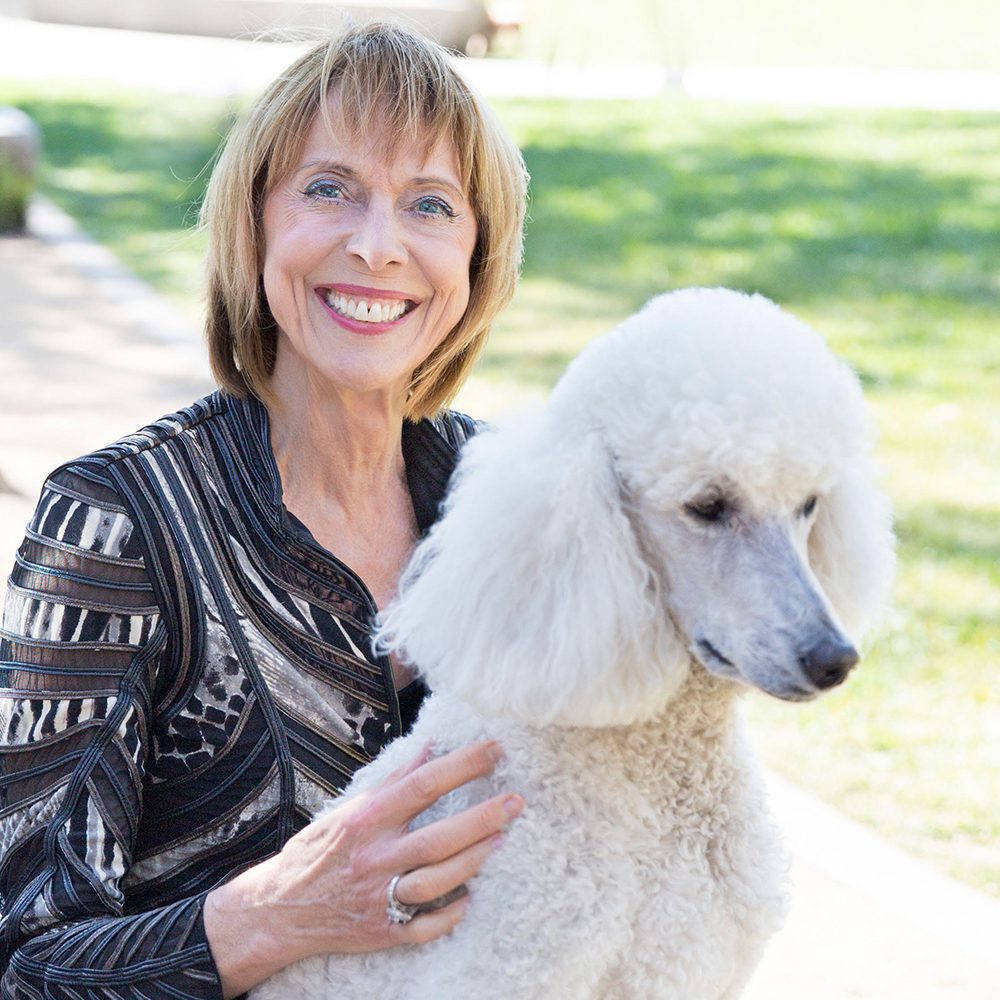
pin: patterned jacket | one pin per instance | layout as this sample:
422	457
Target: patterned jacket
185	674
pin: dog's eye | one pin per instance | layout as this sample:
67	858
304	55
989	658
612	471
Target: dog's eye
710	509
808	507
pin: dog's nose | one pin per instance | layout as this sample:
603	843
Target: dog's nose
828	662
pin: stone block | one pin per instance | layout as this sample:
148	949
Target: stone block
20	151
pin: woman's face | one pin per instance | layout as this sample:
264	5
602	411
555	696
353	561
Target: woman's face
366	263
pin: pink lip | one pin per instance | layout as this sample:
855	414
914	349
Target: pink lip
369	294
361	292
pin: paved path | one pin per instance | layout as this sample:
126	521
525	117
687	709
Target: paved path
87	353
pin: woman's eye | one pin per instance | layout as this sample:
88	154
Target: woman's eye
434	206
330	190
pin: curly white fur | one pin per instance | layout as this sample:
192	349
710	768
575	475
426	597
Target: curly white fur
693	510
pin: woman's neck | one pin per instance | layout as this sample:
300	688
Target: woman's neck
340	459
336	447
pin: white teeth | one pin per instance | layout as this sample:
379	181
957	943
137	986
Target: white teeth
366	312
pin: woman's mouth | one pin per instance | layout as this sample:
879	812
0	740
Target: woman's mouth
365	310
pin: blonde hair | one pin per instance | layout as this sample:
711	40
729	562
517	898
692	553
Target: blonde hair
406	81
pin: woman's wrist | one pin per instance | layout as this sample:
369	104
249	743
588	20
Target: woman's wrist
247	945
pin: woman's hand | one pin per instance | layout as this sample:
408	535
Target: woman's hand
326	890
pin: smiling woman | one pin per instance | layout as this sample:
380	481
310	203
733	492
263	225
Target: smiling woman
186	657
300	139
366	266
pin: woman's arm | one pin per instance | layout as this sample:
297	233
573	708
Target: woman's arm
79	650
326	891
79	654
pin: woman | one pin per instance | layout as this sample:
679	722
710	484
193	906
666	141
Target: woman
186	648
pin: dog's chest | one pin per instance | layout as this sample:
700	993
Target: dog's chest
680	847
705	892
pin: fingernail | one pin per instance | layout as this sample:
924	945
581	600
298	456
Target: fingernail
513	805
497	841
496	753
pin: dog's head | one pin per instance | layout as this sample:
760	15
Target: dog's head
699	484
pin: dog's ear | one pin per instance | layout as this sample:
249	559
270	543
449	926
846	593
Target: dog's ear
851	548
531	599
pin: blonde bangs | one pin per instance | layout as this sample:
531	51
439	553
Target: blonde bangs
413	93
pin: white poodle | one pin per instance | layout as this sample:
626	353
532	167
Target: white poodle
692	512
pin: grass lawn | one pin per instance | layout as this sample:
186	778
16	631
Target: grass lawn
883	229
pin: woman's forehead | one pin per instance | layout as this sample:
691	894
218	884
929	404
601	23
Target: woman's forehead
376	143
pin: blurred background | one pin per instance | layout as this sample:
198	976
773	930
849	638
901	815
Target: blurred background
841	157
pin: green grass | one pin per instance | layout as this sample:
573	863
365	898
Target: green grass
883	229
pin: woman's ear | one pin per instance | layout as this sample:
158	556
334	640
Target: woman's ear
852	549
531	599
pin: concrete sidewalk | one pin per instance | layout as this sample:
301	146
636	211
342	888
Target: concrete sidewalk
88	353
869	922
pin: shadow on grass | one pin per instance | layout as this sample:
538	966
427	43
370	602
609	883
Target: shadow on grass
887	222
740	209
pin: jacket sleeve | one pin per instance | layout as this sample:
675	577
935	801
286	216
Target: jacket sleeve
80	644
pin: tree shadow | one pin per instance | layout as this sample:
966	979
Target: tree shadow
802	225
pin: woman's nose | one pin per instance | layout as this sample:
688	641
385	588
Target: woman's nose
378	239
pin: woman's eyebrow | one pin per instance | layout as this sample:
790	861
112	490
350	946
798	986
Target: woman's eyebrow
332	165
438	181
429	180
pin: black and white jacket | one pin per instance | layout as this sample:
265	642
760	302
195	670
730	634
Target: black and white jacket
185	675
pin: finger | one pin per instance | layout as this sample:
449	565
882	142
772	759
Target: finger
423	786
430	882
428	926
438	841
408	768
